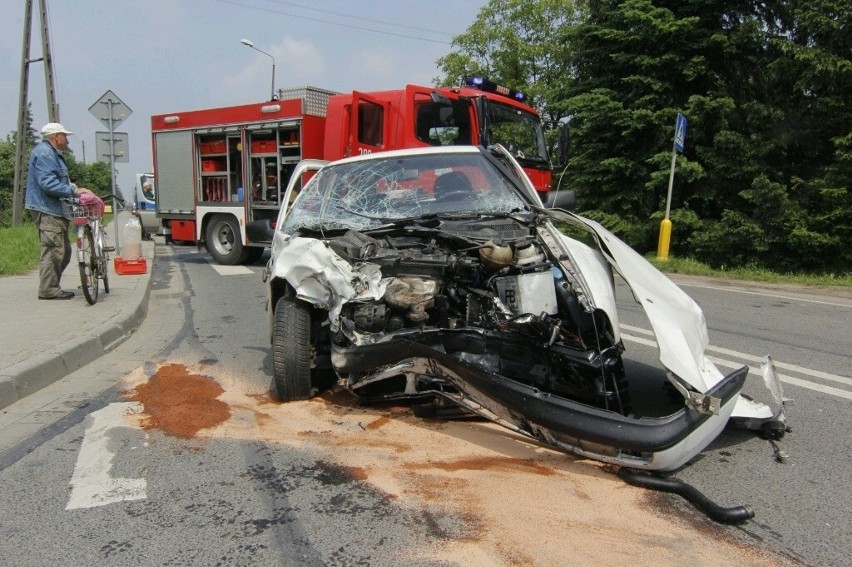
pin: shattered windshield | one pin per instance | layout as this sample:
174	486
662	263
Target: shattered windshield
366	194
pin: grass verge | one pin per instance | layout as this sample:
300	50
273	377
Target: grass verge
690	267
19	249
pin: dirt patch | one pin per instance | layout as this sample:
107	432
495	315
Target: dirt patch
179	402
492	497
377	423
505	464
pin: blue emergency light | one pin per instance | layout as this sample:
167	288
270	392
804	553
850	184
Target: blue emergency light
484	84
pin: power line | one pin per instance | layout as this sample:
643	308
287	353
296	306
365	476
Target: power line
339	24
354	17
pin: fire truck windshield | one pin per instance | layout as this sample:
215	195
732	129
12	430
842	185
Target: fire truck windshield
443	123
518	131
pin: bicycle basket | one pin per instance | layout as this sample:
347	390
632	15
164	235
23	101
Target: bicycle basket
80	211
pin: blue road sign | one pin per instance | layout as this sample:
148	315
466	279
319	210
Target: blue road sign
680	132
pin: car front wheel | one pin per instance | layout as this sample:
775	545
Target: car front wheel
291	350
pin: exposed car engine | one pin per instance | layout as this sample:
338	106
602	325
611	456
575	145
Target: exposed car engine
502	304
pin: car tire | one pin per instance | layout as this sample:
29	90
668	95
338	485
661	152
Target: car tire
291	350
224	241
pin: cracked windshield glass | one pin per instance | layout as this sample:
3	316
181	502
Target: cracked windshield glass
366	194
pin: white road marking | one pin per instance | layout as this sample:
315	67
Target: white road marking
731	364
789	380
91	484
764	294
639	340
230	270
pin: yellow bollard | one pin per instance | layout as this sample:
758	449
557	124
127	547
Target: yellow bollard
665	239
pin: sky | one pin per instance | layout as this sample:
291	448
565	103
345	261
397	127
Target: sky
162	56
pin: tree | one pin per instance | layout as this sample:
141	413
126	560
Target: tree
762	85
7	165
515	42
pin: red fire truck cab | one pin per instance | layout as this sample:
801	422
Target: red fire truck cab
218	169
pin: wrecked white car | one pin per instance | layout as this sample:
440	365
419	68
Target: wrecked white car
439	276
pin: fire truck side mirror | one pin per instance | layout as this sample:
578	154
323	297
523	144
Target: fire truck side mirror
564	199
563	146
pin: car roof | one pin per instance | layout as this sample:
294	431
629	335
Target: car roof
430	150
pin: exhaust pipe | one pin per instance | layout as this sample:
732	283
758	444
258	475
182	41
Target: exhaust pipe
735	515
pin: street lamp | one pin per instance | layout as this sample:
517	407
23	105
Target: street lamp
250	44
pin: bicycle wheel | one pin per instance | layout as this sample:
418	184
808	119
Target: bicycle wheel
89	267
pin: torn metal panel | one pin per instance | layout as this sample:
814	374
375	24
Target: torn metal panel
322	278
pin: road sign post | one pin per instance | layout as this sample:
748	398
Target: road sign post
112	111
666	224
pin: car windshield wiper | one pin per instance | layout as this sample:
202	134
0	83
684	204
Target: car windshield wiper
481	214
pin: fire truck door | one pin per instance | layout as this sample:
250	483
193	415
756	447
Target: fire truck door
369	129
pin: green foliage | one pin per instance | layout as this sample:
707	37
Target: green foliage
19	249
94	176
766	168
516	42
690	266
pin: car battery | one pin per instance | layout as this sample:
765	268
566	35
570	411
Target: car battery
533	293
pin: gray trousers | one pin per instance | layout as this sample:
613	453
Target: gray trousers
55	253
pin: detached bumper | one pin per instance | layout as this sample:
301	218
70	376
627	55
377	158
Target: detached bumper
648	443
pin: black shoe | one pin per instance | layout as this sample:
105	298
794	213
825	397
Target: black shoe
61	295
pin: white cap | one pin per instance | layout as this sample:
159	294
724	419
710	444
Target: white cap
53	128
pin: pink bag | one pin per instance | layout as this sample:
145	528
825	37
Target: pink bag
94	205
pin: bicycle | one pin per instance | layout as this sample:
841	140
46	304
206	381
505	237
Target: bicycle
92	253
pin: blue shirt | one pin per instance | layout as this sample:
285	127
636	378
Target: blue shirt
47	180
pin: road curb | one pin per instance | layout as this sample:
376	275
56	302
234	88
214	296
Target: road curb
27	377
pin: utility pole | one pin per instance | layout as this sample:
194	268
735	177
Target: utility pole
52	107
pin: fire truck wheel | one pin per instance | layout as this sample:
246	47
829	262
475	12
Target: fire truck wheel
291	350
224	241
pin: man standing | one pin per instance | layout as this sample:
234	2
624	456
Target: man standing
47	182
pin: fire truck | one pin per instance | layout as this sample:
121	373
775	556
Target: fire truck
218	169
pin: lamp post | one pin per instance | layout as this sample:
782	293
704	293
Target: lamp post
250	44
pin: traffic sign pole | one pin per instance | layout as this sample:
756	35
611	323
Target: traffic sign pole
112	111
666	224
112	175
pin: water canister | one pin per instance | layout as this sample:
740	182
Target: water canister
131	235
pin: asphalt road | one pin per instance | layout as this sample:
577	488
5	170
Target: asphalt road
802	505
233	499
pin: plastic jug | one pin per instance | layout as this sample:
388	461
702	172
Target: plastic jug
131	235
